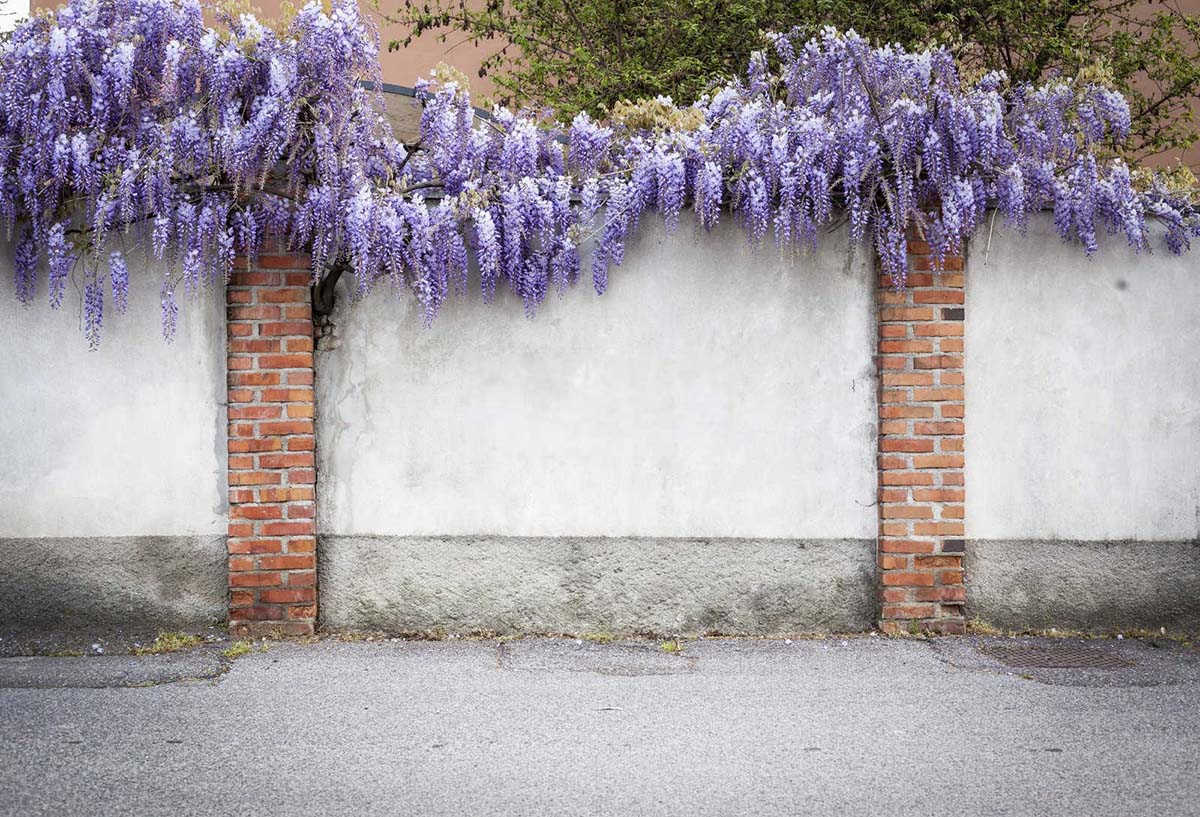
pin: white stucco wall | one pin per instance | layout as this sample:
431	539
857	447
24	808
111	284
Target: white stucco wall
1082	390
128	440
714	390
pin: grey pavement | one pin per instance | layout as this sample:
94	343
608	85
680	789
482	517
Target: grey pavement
862	725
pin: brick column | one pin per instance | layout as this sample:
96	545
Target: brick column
272	477
921	490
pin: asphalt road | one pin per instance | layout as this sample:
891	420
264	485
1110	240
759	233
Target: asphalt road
557	727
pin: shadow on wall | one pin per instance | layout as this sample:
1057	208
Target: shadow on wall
160	582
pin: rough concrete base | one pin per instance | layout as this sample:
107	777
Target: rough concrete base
1108	585
163	581
597	585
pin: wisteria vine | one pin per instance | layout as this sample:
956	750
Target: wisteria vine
129	118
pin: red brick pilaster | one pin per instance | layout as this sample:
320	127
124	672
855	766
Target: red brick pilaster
272	476
921	489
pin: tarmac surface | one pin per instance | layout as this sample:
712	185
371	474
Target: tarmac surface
859	725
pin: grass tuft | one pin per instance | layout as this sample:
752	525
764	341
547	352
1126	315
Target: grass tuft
978	626
237	649
168	642
598	638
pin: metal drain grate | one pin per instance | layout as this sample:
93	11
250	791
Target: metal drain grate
1064	656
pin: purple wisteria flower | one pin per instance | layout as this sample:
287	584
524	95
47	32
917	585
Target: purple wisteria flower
116	114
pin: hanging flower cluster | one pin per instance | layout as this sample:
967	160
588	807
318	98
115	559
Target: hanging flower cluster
116	112
879	137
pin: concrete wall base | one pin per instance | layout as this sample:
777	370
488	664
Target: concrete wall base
596	585
142	581
1098	585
